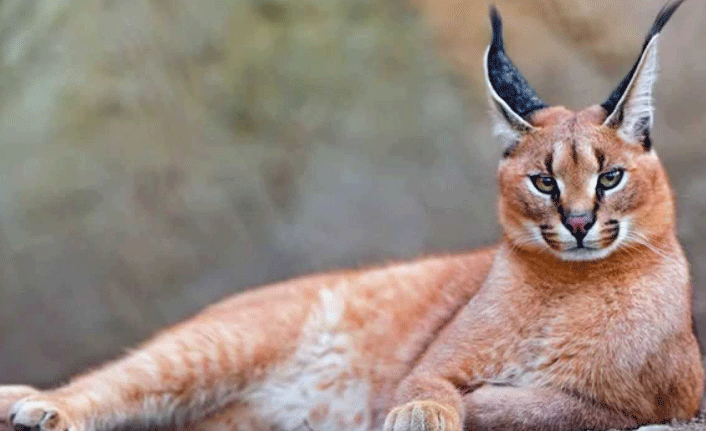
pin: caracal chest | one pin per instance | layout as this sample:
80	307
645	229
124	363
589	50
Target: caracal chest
559	336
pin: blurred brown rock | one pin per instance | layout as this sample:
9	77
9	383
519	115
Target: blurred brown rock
158	155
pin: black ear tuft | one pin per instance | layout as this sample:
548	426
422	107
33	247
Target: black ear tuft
497	25
662	17
505	80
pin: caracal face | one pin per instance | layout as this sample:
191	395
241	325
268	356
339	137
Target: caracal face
579	185
574	188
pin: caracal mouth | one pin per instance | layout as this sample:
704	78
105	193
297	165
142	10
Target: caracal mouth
597	244
583	253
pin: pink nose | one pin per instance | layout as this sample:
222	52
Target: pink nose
579	224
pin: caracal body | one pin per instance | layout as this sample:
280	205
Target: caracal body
580	318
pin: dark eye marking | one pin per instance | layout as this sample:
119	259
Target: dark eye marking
574	153
600	157
548	164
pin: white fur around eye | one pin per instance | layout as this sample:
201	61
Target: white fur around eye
593	184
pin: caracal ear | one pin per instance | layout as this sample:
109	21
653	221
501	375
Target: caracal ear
629	107
512	100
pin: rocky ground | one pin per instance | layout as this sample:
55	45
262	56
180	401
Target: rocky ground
695	425
698	424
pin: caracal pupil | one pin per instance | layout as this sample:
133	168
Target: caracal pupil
579	318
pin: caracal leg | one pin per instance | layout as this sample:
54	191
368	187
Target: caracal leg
181	376
523	409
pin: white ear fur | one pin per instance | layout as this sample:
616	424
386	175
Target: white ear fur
502	130
634	113
508	126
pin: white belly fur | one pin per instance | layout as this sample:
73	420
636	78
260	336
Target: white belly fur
319	387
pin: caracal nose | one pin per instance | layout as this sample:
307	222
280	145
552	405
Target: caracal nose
579	224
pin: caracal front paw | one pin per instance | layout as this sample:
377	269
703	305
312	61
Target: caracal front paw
37	414
9	395
423	416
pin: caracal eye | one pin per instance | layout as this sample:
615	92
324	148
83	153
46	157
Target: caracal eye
610	179
544	183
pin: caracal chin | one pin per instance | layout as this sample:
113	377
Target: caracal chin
580	318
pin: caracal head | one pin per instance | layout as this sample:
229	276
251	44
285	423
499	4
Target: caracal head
579	185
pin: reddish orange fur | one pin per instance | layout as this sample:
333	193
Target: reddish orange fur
535	290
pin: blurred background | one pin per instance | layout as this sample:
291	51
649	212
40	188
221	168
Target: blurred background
157	155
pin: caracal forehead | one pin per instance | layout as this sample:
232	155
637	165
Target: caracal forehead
558	115
565	141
